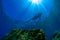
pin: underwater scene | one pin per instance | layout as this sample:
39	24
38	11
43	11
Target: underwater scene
29	19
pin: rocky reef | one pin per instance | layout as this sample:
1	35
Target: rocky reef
18	34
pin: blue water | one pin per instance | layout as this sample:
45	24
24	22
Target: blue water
15	13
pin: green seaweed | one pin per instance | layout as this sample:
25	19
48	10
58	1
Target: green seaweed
25	35
56	36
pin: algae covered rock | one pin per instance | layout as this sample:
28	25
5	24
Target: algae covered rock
56	36
25	35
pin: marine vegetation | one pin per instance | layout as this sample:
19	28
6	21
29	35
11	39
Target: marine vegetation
56	36
18	34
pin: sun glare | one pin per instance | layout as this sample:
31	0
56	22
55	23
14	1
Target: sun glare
36	1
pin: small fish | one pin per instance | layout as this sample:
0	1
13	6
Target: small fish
36	16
